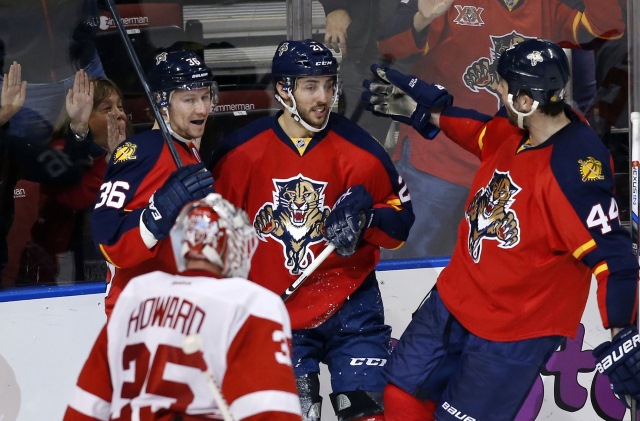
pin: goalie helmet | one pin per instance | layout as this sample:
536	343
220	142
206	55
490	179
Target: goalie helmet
212	229
537	66
179	70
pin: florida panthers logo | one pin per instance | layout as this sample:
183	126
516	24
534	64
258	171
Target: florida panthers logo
294	219
482	74
489	216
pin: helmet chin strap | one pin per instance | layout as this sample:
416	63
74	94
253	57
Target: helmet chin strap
294	112
521	115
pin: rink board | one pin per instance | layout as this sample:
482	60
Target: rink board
47	334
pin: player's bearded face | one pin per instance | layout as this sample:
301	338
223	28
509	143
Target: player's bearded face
313	98
188	112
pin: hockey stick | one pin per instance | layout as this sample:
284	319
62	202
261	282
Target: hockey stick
308	271
138	68
192	344
635	206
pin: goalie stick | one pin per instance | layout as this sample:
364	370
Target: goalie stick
308	271
138	68
192	344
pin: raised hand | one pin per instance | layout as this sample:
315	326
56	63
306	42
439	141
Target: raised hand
405	98
79	103
116	131
335	36
14	92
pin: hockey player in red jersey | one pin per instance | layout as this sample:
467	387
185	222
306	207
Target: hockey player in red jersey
544	195
142	191
306	176
457	43
172	340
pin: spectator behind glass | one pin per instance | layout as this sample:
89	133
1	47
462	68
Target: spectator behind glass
52	40
55	252
39	163
457	44
352	30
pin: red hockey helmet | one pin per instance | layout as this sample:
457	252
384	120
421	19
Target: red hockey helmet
212	229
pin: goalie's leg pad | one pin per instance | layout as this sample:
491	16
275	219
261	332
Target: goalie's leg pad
358	403
310	399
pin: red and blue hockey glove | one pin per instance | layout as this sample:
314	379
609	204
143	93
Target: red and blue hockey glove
406	99
620	361
350	216
184	185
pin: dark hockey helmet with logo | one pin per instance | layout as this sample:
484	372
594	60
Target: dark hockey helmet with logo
179	70
537	66
294	59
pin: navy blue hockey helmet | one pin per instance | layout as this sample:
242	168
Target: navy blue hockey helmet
295	59
179	70
537	66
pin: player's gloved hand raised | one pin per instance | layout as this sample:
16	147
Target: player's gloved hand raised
620	361
184	185
405	98
349	218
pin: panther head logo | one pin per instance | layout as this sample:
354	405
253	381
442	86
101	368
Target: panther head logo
295	219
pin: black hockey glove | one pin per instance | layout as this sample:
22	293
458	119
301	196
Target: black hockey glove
350	216
406	99
186	184
620	361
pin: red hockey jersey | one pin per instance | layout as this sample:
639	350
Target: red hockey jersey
138	367
539	222
460	51
138	167
288	194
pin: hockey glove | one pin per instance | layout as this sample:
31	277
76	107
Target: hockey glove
349	218
406	99
186	184
620	361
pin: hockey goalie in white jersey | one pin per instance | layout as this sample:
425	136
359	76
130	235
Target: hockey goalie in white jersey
175	341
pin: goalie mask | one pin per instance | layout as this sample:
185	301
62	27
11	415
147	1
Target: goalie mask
179	70
295	59
212	229
537	67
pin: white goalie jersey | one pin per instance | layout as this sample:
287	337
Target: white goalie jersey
168	333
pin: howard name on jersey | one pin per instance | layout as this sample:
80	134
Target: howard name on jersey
139	364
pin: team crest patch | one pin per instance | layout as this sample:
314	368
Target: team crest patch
535	57
590	169
294	219
283	48
125	152
469	15
489	215
160	58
